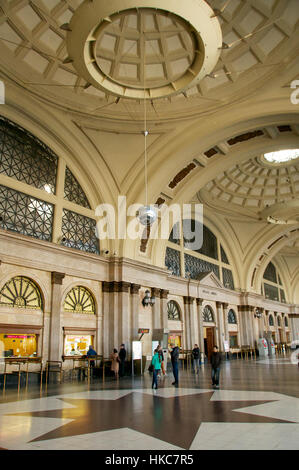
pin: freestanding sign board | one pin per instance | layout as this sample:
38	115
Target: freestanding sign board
136	354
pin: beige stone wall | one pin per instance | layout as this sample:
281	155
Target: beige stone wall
119	312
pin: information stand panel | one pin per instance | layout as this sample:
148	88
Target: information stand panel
136	355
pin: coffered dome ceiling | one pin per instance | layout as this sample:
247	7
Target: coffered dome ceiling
183	68
269	191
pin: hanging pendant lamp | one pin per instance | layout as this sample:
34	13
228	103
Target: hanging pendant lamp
146	214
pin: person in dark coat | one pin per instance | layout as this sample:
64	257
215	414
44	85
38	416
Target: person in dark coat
196	358
175	364
122	358
215	362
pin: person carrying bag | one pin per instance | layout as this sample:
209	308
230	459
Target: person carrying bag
156	363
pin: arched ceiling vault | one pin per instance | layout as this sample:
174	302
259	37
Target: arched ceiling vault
100	133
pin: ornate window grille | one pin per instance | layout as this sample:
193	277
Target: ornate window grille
25	158
208	314
79	232
79	300
270	273
271	292
175	234
224	258
282	295
173	310
21	292
209	241
228	279
271	320
232	319
73	191
173	261
25	214
195	266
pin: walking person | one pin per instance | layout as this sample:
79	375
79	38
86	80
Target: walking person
215	362
196	358
156	363
115	363
122	357
175	364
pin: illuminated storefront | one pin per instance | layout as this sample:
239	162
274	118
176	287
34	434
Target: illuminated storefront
19	345
77	345
174	338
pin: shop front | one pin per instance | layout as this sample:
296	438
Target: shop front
175	337
20	341
77	345
76	342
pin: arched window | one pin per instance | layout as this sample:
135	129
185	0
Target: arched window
21	292
25	158
173	310
271	320
79	300
232	317
208	314
193	249
286	323
273	288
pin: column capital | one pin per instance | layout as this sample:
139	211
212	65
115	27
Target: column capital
155	291
57	278
135	288
106	286
124	286
246	308
188	299
164	293
199	301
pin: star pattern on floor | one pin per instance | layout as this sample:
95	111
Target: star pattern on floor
175	419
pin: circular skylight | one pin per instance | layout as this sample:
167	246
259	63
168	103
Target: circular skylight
282	156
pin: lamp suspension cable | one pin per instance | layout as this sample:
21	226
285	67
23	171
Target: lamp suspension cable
145	124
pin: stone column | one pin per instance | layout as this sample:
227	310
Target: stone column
124	316
156	309
135	302
246	313
163	305
220	326
294	326
99	323
106	286
189	322
252	338
200	325
225	321
277	340
55	344
283	329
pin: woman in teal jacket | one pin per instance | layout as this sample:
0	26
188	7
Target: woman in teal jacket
156	363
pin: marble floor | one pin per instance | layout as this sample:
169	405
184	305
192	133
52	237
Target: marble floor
257	407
